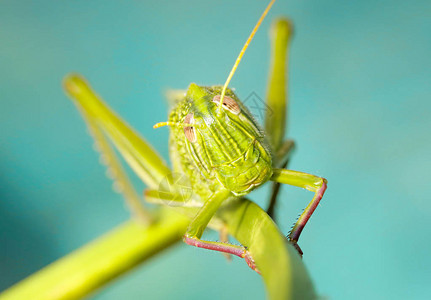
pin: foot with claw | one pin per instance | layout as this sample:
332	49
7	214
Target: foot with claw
250	261
239	251
295	244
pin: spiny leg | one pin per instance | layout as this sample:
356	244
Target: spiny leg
99	119
224	238
275	116
310	182
199	223
140	155
175	199
170	198
116	172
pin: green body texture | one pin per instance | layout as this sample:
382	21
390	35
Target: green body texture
230	150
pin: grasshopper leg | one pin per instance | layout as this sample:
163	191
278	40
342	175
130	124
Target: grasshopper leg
200	222
170	198
224	238
100	120
239	251
275	116
281	160
310	182
283	154
276	99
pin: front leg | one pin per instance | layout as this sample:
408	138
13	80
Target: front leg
199	223
310	182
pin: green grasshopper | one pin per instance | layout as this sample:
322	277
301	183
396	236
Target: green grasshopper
218	146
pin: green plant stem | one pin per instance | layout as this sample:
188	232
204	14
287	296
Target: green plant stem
283	271
90	267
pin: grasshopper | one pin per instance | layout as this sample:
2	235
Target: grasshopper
219	147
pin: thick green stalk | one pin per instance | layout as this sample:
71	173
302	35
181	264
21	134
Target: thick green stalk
92	266
282	269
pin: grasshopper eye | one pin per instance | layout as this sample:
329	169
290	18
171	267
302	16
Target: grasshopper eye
189	131
228	103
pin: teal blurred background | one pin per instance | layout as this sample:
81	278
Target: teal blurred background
360	76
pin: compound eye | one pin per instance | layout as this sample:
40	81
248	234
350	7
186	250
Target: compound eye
190	131
228	103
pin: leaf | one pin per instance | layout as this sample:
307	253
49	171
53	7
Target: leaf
282	268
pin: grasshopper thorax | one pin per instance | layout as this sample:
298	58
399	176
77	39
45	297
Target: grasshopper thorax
226	145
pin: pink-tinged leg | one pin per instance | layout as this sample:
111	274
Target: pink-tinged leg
224	238
310	182
223	247
306	214
200	222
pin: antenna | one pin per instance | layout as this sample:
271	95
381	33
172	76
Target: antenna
256	27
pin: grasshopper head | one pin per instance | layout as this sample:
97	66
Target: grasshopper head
226	143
